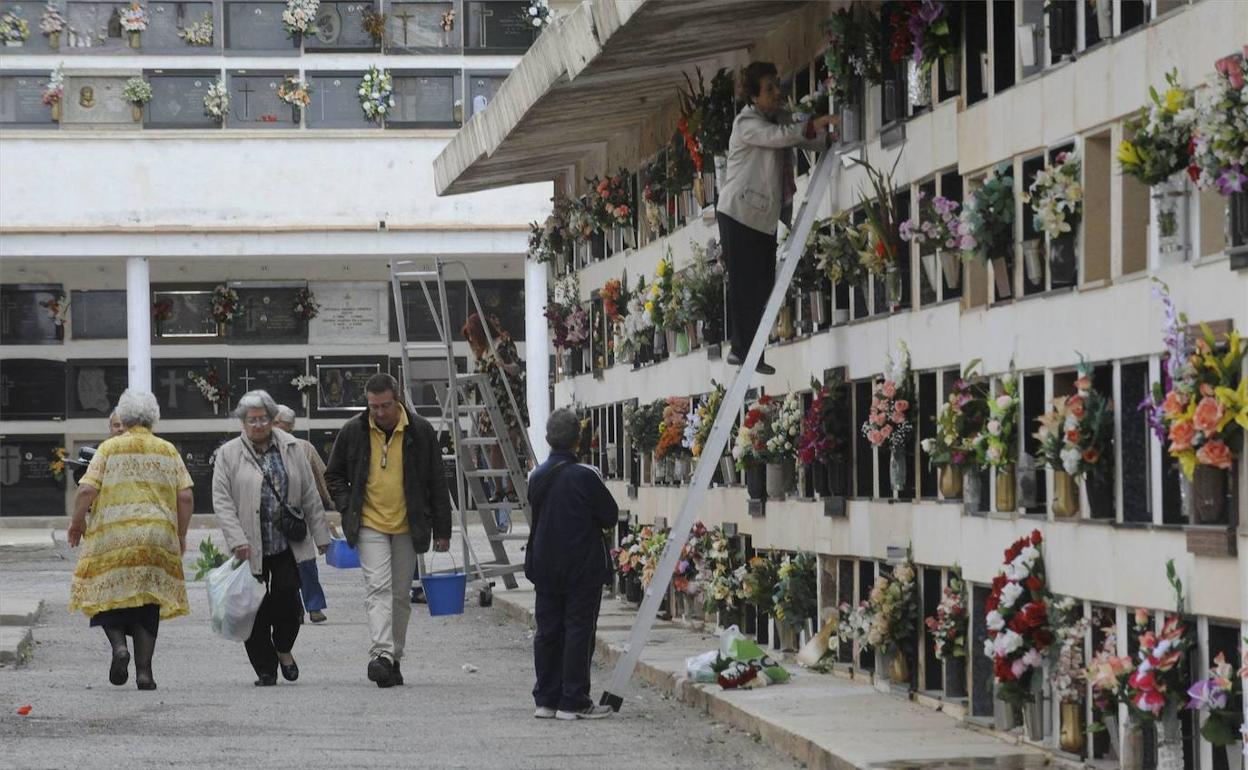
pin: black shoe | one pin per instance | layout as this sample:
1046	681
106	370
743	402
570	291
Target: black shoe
119	671
381	671
144	684
396	677
266	680
289	673
734	359
763	368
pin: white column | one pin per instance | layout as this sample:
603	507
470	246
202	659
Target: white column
537	353
139	323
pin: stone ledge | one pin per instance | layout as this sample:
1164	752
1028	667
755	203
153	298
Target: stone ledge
15	645
20	611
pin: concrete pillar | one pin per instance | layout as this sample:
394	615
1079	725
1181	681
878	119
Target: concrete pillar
537	354
139	322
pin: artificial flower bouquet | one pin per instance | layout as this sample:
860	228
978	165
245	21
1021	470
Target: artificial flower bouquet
1019	633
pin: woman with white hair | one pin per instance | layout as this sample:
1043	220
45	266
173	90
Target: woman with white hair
131	514
262	487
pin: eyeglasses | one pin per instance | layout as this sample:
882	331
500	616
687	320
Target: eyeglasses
258	422
381	407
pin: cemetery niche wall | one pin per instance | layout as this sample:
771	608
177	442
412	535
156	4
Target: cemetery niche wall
27	483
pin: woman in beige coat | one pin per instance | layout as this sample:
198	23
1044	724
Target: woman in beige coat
248	508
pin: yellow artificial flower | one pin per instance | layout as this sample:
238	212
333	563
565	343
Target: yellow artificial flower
650	307
662	268
1128	155
1175	98
1234	403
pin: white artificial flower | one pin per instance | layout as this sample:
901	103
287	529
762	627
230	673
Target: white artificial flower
1033	658
1010	594
994	621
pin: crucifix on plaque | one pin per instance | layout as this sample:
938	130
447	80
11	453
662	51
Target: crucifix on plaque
8	305
174	382
6	387
246	378
246	90
484	13
405	16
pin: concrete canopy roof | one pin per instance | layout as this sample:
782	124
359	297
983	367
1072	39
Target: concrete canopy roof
594	75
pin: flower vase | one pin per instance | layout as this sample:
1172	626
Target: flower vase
919	84
682	343
613	461
1033	261
632	589
660	344
756	481
136	112
1072	738
691	331
955	677
1003	718
1167	221
647	467
819	479
786	637
776	480
952	72
972	490
818	310
54	41
1169	741
951	263
850	126
1063	259
1130	746
134	39
671	343
1001	278
297	39
892	287
929	262
1104	20
1208	495
1007	499
1065	495
1033	710
221	328
728	470
897	469
899	668
56	112
1101	494
985	71
784	324
660	471
950	482
680	469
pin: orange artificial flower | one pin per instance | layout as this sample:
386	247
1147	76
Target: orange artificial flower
1208	414
1216	454
1174	404
1181	434
1091	455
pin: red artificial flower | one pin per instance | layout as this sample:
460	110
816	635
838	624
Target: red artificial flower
1013	551
1043	638
1001	667
1035	613
1036	537
1034	583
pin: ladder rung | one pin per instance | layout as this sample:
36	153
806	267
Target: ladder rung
441	346
417	274
482	473
505	505
465	408
479	440
507	538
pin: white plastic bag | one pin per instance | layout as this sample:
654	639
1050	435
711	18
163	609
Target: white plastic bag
234	597
698	668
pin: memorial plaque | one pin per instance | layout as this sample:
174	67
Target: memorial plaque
21	101
190	314
173	383
32	389
503	299
350	312
499	26
340	383
23	320
256	27
98	315
31	13
267	316
95	384
323	440
425	100
336	101
271	375
481	90
428	380
198	453
167	19
419	317
417	27
94	25
26	481
340	27
254	102
178	100
93	100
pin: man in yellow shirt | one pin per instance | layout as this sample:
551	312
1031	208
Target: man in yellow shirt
385	475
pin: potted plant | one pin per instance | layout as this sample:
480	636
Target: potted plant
1056	197
720	576
888	420
1216	695
51	24
629	561
643	423
299	18
718	113
137	92
1019	632
750	447
226	308
808	280
217	101
54	93
855	52
704	284
894	619
134	22
987	226
996	447
794	598
297	92
759	586
1156	153
199	33
671	439
936	231
1220	144
839	247
1070	679
883	242
698	430
948	630
1076	437
786	424
657	300
958	421
376	94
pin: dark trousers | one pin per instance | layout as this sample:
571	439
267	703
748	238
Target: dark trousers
750	258
310	586
281	613
564	646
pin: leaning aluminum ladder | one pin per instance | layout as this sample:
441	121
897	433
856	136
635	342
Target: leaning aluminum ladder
465	398
790	254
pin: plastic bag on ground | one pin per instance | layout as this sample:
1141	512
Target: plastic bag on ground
734	646
699	667
234	597
814	650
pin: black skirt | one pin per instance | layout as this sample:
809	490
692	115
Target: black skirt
147	616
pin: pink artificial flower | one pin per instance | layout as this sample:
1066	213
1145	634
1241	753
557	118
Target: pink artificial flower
889	389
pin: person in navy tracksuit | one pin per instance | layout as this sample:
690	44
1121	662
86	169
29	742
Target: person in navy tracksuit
568	562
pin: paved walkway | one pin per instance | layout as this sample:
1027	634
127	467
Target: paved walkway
207	714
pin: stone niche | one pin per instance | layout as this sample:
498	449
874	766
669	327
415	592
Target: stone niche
93	100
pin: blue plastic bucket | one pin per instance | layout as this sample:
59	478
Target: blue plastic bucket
342	555
445	592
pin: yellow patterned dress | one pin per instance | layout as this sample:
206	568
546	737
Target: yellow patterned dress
131	555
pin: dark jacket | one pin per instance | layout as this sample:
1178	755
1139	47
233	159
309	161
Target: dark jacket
424	485
566	550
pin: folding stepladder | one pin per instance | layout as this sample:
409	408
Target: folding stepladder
823	177
464	400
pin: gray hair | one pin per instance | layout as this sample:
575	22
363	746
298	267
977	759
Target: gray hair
563	429
256	399
137	407
285	414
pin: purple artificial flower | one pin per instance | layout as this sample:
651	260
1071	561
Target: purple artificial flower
682	567
931	10
1155	416
944	206
1205	695
1232	180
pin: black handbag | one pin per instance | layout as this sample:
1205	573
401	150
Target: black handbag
290	521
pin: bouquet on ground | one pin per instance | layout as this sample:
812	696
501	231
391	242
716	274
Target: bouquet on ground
376	93
894	609
794	595
1018	627
1056	195
1076	432
1160	136
948	625
226	307
888	420
1069	629
959	420
986	229
995	446
750	447
1220	134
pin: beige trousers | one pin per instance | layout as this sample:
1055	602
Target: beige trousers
389	563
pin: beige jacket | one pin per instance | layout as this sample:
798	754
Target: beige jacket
753	191
236	483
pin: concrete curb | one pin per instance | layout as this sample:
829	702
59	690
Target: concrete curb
15	645
26	540
20	612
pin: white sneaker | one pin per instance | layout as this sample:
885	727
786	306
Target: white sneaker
589	712
543	712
